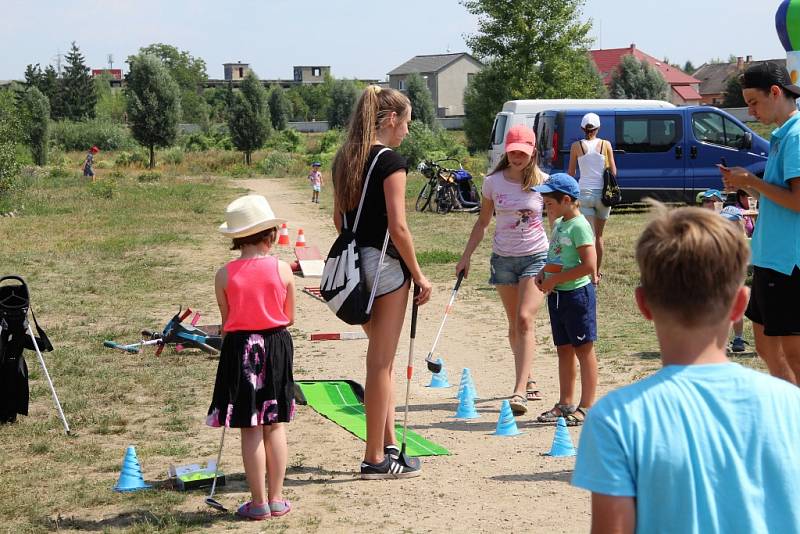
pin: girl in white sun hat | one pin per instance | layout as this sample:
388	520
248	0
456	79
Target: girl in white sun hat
254	389
592	156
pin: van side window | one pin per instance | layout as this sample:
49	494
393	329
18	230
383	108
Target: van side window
718	130
647	134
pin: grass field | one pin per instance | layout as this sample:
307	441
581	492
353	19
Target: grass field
104	260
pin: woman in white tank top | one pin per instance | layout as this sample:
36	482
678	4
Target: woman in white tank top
591	156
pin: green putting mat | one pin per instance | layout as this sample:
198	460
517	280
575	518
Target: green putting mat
337	400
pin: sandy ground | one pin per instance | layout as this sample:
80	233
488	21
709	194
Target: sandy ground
488	482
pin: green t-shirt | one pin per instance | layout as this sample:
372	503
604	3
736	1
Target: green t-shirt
567	237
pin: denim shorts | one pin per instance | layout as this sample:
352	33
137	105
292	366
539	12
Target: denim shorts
505	270
573	316
592	206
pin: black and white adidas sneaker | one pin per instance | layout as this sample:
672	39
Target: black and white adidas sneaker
388	468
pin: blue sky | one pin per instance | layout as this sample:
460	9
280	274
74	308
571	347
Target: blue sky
356	38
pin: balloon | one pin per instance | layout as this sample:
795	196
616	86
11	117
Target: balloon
787	24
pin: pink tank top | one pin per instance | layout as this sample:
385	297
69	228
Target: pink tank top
255	294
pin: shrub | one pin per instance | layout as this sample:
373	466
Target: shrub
103	188
9	166
107	135
288	140
59	172
423	143
276	164
173	156
196	142
149	177
331	140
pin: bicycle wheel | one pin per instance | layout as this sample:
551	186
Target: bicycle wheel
424	197
444	199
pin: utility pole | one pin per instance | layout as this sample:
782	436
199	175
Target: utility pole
58	58
110	61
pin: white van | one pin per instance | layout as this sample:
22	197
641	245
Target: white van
524	112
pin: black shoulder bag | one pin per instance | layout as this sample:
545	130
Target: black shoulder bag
343	286
612	194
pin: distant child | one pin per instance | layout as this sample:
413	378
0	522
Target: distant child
254	389
315	177
568	278
88	163
711	199
704	444
734	214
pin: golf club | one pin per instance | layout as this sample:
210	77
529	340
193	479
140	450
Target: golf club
435	366
413	463
210	500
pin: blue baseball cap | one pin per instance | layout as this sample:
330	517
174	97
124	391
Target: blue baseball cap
561	182
711	193
316	164
732	213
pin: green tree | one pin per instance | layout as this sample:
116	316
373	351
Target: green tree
733	93
110	103
49	84
77	92
300	110
217	100
422	108
532	49
33	75
10	133
249	121
153	103
189	73
344	95
689	67
280	108
35	115
318	98
638	80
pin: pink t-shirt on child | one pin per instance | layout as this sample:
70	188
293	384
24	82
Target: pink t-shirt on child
315	177
519	230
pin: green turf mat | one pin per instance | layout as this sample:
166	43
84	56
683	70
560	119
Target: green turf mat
337	401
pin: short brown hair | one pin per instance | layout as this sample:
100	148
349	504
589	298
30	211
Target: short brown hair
691	262
267	236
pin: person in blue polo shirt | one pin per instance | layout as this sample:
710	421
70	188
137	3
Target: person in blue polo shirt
770	96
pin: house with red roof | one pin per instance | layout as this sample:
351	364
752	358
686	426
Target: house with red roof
684	89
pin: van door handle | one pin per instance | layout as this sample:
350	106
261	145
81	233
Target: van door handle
678	152
693	152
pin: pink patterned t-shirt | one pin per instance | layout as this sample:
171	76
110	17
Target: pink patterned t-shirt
519	230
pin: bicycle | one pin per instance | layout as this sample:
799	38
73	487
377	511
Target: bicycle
448	189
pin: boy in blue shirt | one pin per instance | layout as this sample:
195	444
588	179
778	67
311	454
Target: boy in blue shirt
704	445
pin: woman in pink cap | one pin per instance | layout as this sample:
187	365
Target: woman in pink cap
519	250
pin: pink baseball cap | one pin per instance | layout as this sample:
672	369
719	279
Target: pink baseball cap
522	138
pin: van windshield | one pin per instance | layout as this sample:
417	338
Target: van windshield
499	130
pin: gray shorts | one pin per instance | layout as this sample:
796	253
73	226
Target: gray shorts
393	272
592	206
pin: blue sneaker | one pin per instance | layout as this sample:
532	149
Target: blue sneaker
738	344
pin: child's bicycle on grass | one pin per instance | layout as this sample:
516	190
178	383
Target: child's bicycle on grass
447	189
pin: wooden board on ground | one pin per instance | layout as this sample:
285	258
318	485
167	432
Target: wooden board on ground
310	260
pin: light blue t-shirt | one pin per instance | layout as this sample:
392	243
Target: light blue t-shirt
703	449
776	239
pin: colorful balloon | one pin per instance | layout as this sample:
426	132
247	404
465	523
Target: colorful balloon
787	23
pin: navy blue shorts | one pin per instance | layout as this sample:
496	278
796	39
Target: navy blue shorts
573	316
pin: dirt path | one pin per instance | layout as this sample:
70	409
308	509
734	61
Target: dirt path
487	482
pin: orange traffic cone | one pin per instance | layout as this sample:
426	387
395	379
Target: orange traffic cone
284	235
301	238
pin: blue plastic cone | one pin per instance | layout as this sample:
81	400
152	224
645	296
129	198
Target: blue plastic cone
471	385
466	383
130	478
506	424
439	380
466	407
562	442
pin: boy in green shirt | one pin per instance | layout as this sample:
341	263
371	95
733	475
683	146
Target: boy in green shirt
567	280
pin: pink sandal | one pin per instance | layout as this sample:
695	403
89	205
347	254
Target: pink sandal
255	512
283	508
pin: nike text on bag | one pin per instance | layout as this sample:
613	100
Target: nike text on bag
343	284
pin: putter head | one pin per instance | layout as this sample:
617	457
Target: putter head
434	366
407	460
213	503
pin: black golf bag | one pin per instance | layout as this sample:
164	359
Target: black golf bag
14	339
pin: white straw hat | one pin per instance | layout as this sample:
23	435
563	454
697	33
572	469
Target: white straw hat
248	215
